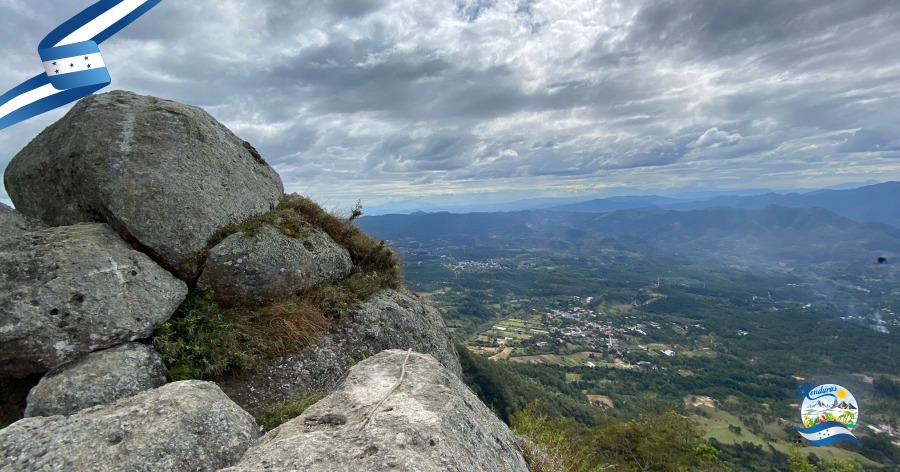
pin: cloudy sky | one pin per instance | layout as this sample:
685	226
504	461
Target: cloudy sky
481	100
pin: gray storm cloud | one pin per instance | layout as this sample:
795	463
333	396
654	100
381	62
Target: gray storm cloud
375	99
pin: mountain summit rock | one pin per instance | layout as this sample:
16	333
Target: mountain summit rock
163	175
146	233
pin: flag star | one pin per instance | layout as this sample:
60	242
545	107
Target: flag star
88	66
57	71
85	58
71	65
54	63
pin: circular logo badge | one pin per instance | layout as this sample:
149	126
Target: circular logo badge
829	402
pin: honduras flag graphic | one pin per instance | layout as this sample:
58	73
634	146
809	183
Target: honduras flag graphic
826	433
73	67
829	413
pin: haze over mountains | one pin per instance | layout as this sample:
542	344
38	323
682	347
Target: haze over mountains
815	227
879	202
624	197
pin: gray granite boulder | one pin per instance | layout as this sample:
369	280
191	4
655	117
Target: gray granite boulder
164	175
271	265
13	225
431	422
188	425
71	290
100	378
390	319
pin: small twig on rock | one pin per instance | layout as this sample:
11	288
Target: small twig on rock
371	413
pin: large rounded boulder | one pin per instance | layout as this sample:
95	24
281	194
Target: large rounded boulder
165	176
188	425
71	290
270	265
100	378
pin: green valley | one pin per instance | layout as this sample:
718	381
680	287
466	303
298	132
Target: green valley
611	325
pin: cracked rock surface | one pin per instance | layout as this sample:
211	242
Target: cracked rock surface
100	378
162	174
187	425
432	422
71	290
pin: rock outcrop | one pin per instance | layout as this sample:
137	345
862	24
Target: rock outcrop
270	265
390	319
13	225
100	378
134	188
71	290
188	425
430	422
164	175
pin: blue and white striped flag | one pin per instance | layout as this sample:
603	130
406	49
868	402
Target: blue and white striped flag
73	67
827	433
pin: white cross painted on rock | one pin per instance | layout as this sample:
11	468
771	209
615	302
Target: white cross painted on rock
114	268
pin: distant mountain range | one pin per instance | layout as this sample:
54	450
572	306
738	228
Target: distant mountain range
770	234
488	201
876	203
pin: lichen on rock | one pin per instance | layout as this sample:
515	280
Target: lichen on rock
428	422
188	425
100	378
14	225
70	290
163	175
258	269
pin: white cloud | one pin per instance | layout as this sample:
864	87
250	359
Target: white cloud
714	138
374	99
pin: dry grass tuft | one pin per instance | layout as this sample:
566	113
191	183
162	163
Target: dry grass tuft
289	325
204	340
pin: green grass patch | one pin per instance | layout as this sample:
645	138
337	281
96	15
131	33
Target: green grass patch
276	414
663	442
572	377
716	426
204	340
